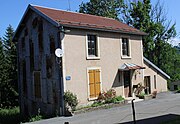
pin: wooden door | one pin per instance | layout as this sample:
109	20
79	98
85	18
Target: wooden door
94	83
127	83
147	84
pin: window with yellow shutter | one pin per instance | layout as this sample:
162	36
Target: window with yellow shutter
94	83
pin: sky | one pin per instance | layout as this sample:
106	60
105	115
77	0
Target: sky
11	11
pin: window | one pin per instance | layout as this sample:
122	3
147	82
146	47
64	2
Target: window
49	65
23	43
154	81
40	35
94	83
24	77
125	47
52	44
92	46
31	54
37	84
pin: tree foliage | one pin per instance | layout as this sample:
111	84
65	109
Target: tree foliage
152	20
8	70
105	8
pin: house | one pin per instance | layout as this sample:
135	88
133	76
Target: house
154	77
99	54
174	85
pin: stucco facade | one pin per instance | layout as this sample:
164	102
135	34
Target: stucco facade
76	63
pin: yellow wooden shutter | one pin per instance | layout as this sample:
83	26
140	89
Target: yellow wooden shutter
97	82
91	84
94	83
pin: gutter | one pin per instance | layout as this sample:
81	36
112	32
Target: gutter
107	30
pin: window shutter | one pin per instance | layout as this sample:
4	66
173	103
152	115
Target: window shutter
91	84
24	78
37	84
94	83
97	82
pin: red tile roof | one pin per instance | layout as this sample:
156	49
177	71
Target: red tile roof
80	20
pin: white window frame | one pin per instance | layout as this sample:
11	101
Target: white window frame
129	47
98	47
88	93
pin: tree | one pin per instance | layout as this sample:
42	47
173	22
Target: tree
140	19
3	76
152	20
105	8
10	83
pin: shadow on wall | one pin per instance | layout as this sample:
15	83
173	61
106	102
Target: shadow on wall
117	81
164	119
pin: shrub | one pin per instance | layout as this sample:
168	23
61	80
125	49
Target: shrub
71	100
10	116
36	117
107	96
178	90
141	95
117	99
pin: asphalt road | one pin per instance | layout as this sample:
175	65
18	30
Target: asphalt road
165	107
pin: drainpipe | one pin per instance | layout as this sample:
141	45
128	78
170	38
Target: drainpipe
61	34
60	73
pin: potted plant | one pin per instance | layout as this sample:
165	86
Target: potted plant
154	93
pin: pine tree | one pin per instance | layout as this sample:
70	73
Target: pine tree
2	74
10	87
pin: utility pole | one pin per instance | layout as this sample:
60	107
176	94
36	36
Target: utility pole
69	5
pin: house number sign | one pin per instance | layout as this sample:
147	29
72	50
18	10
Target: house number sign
68	78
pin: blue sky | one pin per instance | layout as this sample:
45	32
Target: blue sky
11	11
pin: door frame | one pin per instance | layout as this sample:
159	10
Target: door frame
149	81
131	84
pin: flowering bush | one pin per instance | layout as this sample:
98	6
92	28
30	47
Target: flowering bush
108	96
70	100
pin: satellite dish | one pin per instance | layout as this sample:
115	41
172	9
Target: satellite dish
58	52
